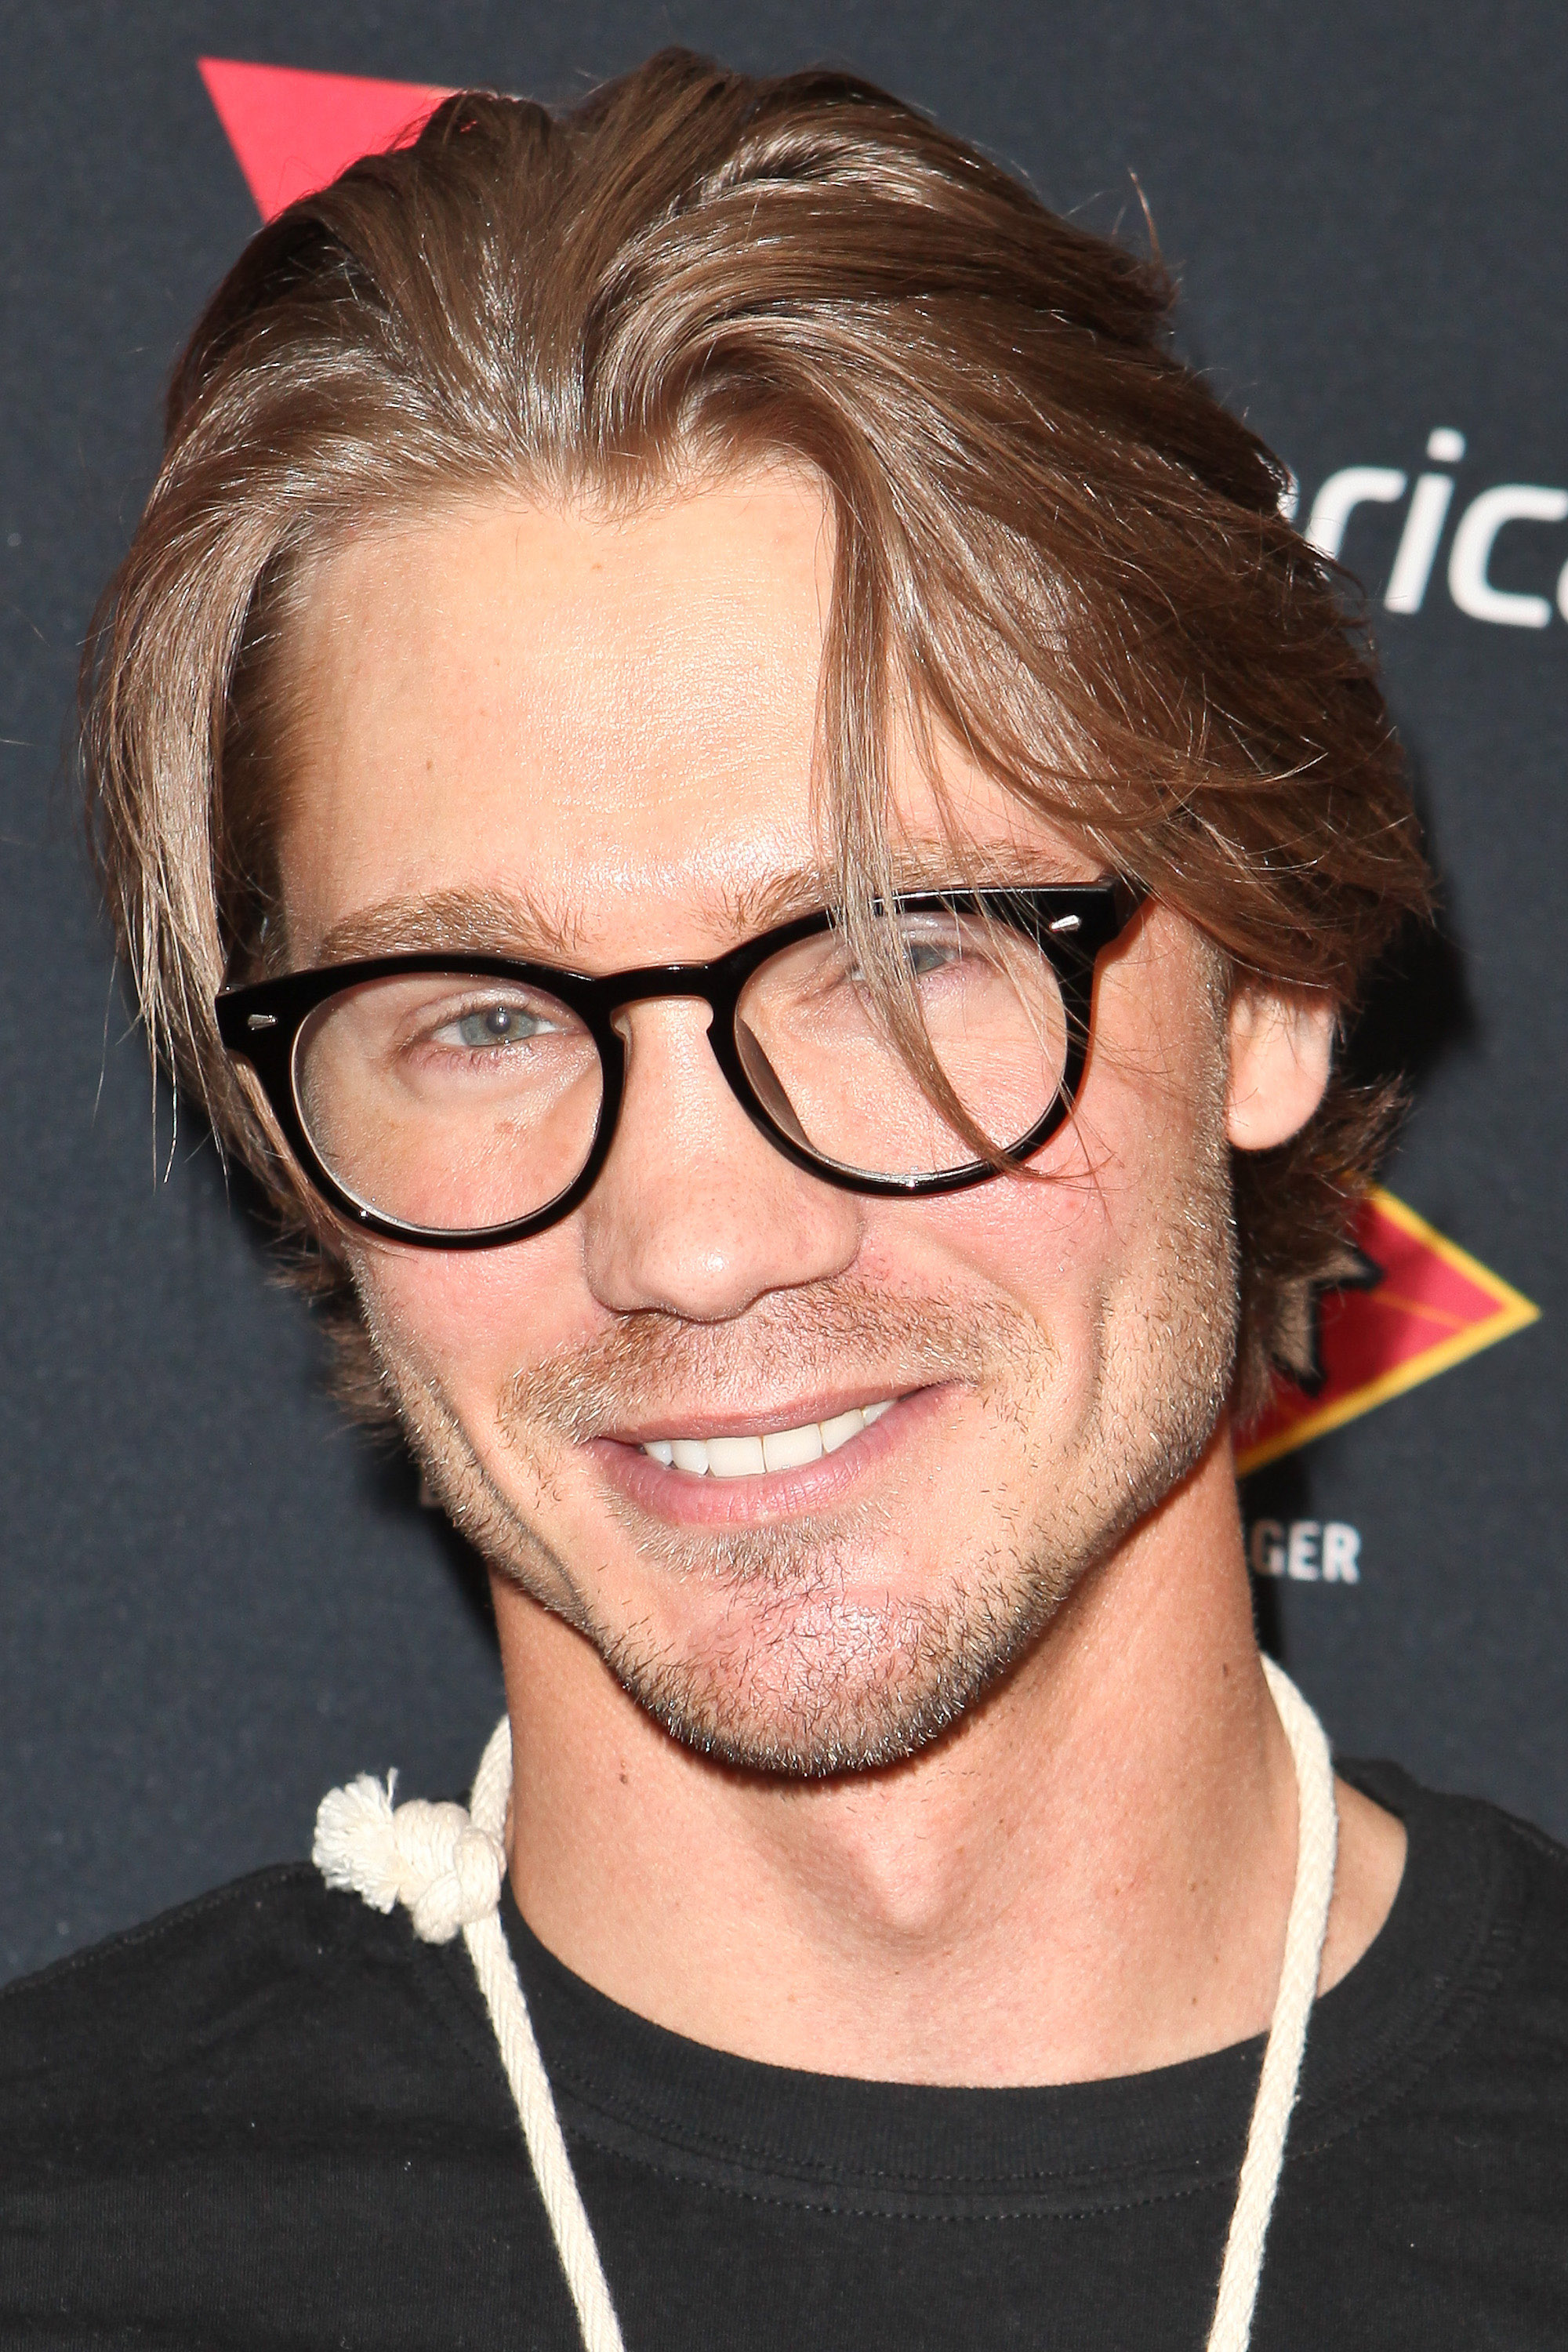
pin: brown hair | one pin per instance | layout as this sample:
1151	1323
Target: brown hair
1051	539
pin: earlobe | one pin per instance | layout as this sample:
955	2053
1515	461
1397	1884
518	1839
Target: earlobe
1281	1049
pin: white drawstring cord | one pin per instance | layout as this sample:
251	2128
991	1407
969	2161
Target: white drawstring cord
1316	1842
448	1864
496	1973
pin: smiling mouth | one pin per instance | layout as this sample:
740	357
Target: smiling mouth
773	1450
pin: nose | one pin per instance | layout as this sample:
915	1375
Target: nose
695	1213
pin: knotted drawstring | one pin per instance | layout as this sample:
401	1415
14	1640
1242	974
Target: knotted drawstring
434	1858
447	1865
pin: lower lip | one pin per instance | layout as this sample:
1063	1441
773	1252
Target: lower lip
691	1500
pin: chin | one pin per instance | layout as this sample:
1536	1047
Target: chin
806	1689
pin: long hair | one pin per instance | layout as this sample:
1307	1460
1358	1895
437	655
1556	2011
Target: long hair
1050	539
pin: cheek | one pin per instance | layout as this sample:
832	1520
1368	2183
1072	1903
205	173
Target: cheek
471	1319
1063	1240
1083	1250
1049	1254
1038	1243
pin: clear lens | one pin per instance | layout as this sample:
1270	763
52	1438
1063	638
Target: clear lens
446	1102
820	1052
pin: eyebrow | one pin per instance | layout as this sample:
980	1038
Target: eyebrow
466	922
527	924
917	865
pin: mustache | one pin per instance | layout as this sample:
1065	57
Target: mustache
842	1330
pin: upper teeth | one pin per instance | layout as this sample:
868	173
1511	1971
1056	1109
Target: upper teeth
781	1449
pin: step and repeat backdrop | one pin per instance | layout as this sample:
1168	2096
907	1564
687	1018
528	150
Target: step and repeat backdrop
217	1601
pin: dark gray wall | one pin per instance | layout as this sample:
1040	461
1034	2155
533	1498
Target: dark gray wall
216	1601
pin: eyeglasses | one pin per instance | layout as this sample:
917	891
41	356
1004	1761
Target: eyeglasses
461	1101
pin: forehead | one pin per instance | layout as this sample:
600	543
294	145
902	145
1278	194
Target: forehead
610	716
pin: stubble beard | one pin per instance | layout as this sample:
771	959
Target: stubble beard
805	1677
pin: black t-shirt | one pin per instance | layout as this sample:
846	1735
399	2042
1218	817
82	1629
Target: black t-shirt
274	2119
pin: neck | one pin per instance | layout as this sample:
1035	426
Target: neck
1090	1876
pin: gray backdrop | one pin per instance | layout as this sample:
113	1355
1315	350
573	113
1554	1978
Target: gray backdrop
216	1602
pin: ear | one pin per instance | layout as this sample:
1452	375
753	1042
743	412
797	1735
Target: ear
1280	1045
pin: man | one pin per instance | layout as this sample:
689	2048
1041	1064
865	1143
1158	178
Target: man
729	781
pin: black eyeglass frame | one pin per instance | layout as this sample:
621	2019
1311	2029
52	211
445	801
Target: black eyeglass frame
1072	925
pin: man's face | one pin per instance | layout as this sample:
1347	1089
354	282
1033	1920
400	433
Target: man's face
590	741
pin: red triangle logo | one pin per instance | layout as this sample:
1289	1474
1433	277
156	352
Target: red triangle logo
1430	1307
293	132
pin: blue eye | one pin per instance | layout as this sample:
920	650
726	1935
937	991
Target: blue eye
498	1025
926	956
922	956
